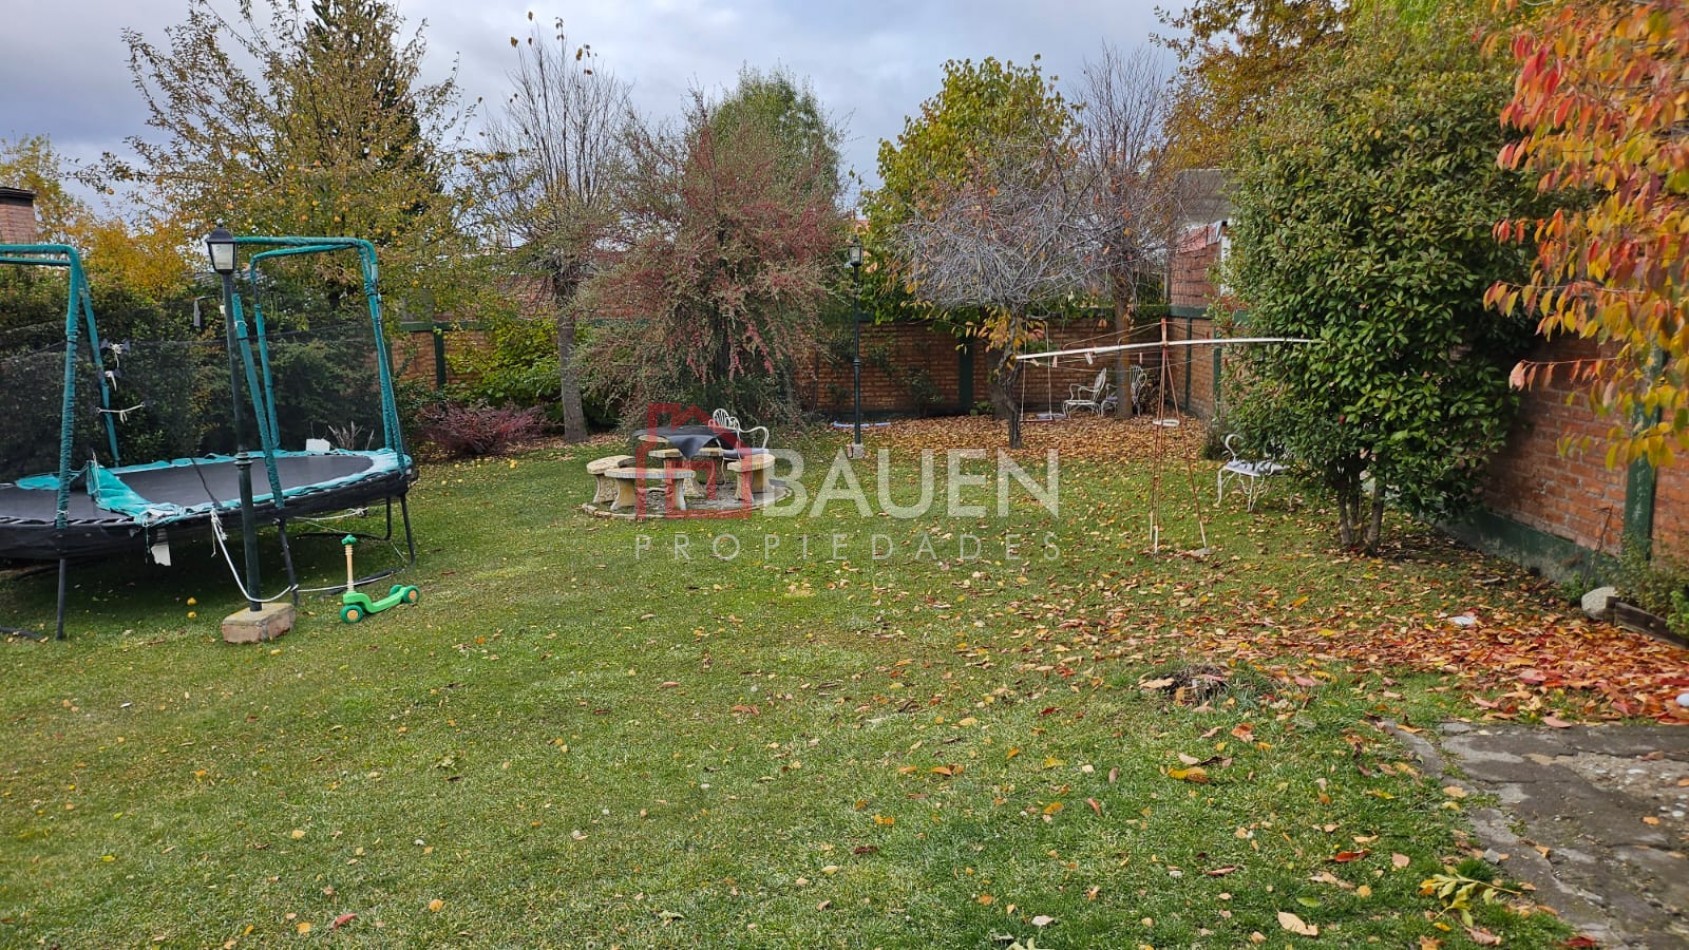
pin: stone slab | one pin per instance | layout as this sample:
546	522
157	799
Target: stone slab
266	623
1609	804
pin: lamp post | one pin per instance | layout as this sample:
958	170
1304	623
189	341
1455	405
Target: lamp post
220	245
855	258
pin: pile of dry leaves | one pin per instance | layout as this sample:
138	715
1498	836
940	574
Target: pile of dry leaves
1137	437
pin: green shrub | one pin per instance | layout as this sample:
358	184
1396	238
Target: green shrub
515	366
1659	585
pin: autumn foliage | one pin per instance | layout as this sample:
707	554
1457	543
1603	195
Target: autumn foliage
1602	100
727	244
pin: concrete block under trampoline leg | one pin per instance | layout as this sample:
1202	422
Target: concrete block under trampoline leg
257	626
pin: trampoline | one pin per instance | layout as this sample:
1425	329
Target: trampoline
92	405
117	509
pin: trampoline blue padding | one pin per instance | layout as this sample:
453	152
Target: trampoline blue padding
114	508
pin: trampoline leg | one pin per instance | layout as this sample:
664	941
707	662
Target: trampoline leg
410	539
64	570
287	560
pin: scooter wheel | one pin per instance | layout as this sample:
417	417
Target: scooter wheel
351	614
395	589
412	595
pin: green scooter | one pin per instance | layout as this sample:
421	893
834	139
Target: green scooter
356	606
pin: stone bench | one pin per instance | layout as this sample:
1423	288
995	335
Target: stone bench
672	458
753	471
604	488
630	482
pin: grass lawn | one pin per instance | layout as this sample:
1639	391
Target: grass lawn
579	738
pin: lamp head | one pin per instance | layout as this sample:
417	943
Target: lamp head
220	244
855	253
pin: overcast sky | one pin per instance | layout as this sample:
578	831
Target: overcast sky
64	72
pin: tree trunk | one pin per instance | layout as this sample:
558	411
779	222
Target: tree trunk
569	389
1003	383
574	414
1348	513
1375	524
1123	317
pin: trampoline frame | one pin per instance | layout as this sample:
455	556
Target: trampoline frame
385	482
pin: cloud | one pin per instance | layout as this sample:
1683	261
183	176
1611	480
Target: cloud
65	68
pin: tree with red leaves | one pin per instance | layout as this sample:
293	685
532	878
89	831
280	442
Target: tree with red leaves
1602	97
726	249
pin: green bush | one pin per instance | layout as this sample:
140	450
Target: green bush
516	365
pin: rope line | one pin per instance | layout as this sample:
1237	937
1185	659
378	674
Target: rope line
121	414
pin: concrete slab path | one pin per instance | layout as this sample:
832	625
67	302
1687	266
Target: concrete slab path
1596	818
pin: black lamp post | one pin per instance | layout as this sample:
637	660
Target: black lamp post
855	259
220	245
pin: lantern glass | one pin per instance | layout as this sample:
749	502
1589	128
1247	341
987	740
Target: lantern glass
220	244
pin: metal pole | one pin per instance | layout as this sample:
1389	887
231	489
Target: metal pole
243	461
856	363
234	361
248	530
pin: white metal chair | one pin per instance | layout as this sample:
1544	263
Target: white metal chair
722	419
1094	397
1138	381
1250	474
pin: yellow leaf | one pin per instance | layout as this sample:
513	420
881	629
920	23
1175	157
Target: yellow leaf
1193	774
1296	925
303	927
435	905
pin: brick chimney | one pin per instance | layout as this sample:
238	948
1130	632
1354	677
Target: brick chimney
17	216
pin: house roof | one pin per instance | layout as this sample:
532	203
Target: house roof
16	194
1202	196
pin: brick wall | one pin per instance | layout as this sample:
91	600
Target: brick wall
915	349
1190	283
910	350
17	216
1191	368
1572	495
413	353
1190	286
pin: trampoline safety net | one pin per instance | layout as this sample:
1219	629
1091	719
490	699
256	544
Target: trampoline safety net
146	384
